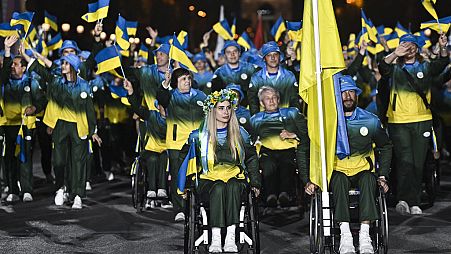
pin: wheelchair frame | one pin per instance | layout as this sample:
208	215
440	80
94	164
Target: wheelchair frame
197	230
321	221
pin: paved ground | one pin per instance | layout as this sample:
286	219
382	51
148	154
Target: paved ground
109	224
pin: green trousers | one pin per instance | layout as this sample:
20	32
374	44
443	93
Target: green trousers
410	145
366	182
70	155
155	165
224	200
15	169
278	170
176	158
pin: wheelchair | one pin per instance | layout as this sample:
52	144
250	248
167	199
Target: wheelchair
431	178
138	184
197	231
325	233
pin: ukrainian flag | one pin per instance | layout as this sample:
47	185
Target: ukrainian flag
178	54
107	59
383	31
278	28
423	40
41	47
188	167
371	29
143	51
121	33
183	39
8	30
223	29
51	20
392	40
24	19
429	6
400	30
119	92
132	26
55	43
245	41
96	11
233	28
442	25
20	146
295	30
32	33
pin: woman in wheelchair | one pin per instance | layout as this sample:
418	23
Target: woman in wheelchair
229	164
356	170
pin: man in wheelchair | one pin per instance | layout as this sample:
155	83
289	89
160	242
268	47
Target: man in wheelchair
229	164
357	170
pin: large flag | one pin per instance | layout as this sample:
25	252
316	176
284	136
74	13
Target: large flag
429	6
370	28
188	167
24	19
331	63
442	25
7	30
132	27
245	41
51	20
278	28
96	11
121	33
20	146
223	29
107	59
178	54
55	43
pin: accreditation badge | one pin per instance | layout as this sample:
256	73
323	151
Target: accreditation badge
420	74
364	131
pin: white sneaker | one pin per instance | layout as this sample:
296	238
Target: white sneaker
416	210
151	194
167	205
110	176
230	244
179	217
77	203
12	198
60	197
215	246
150	204
88	186
346	244
161	193
402	207
27	197
365	246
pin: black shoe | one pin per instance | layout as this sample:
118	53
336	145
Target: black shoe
271	200
284	199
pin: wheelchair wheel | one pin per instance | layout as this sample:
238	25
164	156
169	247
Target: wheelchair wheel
254	224
382	236
432	180
138	186
316	227
190	224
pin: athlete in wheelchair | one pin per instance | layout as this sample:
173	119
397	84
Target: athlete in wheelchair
357	170
229	172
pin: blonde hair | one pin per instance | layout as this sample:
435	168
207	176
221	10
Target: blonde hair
233	132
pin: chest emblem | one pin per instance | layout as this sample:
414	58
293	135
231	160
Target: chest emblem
420	74
27	89
243	120
363	131
243	76
208	84
83	95
427	134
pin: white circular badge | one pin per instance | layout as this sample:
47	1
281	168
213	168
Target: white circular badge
250	85
427	134
296	84
420	74
243	76
364	131
28	138
243	120
83	95
95	88
200	103
208	84
214	76
26	89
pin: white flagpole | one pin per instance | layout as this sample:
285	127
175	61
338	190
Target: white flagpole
325	193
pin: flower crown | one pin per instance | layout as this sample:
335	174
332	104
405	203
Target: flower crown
220	96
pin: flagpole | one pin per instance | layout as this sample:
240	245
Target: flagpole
325	193
122	69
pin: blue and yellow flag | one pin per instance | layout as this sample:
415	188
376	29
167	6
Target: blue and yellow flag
429	6
119	92
132	27
121	33
295	30
370	28
55	43
442	25
96	11
24	18
223	29
7	30
183	39
400	30
188	167
423	40
32	33
107	59
332	62
278	28
143	51
51	20
383	31
233	28
245	41
178	54
41	47
20	146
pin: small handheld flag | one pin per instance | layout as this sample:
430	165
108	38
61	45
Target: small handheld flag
96	11
278	28
223	29
55	43
107	59
245	41
178	54
121	33
370	28
429	6
51	20
132	26
24	19
442	25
